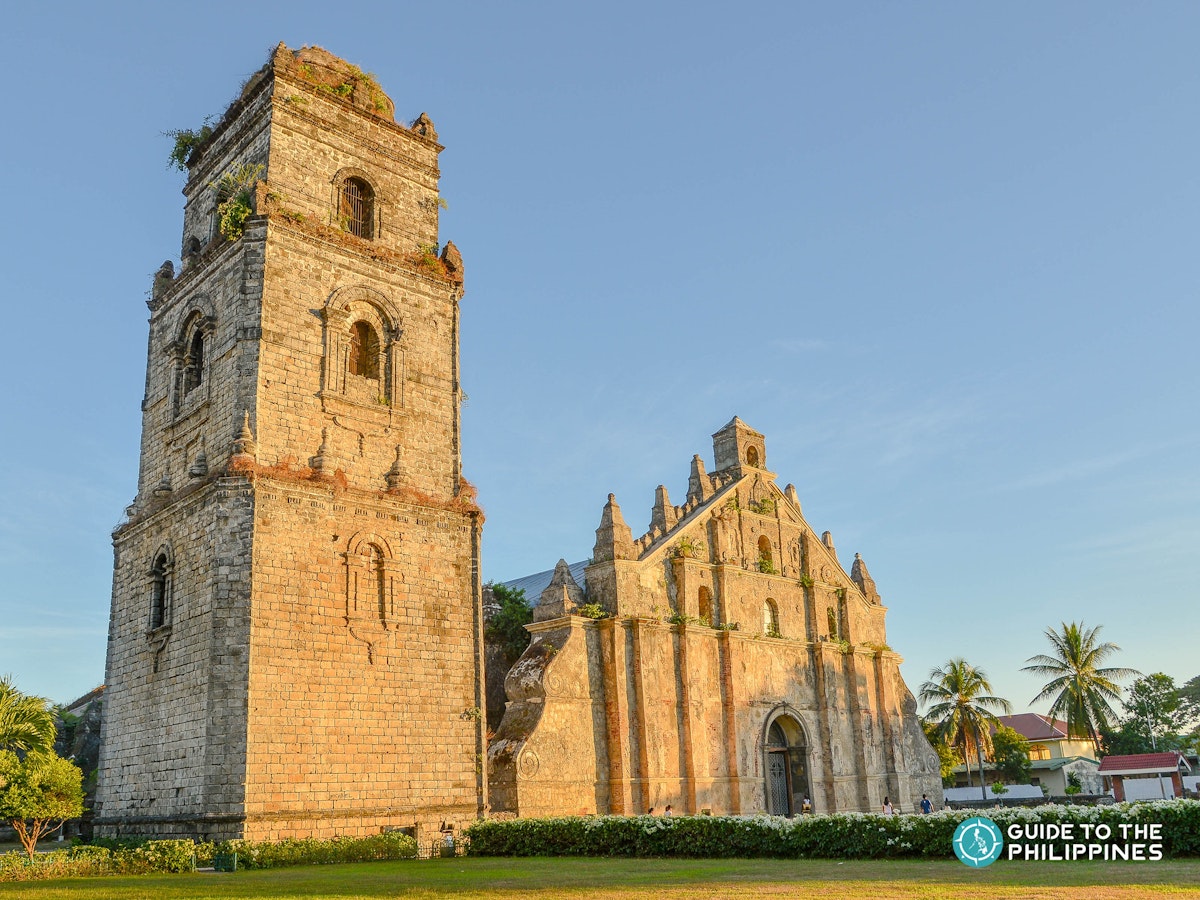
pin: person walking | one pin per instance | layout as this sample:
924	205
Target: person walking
887	807
926	806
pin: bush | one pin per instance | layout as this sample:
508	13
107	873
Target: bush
841	836
308	851
137	856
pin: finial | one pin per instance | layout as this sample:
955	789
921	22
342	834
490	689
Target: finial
200	464
395	473
320	462
244	445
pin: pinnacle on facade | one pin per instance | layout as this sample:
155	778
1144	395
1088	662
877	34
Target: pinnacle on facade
562	595
698	485
866	584
614	540
662	517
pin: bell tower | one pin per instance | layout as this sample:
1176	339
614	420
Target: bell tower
295	641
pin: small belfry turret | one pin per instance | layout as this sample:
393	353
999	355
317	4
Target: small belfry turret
316	309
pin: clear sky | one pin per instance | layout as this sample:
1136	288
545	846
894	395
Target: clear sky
943	255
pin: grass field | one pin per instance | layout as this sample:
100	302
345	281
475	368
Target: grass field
626	879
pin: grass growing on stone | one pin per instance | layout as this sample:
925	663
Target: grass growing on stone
623	879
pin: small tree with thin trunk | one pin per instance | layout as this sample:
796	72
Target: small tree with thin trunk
38	793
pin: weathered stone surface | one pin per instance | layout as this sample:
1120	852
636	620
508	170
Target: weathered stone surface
739	648
317	669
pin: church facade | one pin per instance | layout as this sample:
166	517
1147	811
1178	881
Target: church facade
295	643
724	662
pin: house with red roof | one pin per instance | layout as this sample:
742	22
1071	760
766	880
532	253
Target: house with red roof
1145	776
1054	755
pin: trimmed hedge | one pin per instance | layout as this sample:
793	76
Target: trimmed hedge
840	836
138	856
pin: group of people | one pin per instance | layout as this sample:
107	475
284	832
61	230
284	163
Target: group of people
926	806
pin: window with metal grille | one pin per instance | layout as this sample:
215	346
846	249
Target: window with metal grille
357	208
364	351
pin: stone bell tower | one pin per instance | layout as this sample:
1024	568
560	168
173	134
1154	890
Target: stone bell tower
295	640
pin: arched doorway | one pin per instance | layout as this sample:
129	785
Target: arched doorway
787	767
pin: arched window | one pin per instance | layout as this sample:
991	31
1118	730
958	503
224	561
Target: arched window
356	208
193	362
364	350
160	590
706	605
766	561
752	455
771	618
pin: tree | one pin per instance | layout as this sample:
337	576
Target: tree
948	757
1082	691
38	793
26	722
1010	751
1189	701
1153	707
506	627
961	710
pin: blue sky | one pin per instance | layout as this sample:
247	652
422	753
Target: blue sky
943	255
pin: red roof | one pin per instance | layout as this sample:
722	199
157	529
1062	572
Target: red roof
1140	763
1034	727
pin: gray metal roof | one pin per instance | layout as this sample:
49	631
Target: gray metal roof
533	585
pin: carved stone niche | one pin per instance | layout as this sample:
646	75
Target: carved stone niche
362	370
373	585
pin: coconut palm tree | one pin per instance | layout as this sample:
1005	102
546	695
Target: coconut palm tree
1081	689
26	723
961	709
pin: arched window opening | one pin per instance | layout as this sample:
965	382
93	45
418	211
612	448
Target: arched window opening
787	768
831	620
766	560
160	591
706	606
752	455
193	363
771	619
364	351
356	209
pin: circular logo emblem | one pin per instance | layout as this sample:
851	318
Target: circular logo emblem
978	842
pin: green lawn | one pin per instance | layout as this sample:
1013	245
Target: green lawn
625	879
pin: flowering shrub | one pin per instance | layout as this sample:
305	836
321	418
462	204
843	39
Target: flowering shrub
840	836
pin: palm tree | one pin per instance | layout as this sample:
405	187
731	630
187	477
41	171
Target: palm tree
962	709
26	723
1081	689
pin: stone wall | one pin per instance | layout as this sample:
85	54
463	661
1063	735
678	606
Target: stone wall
727	616
321	671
